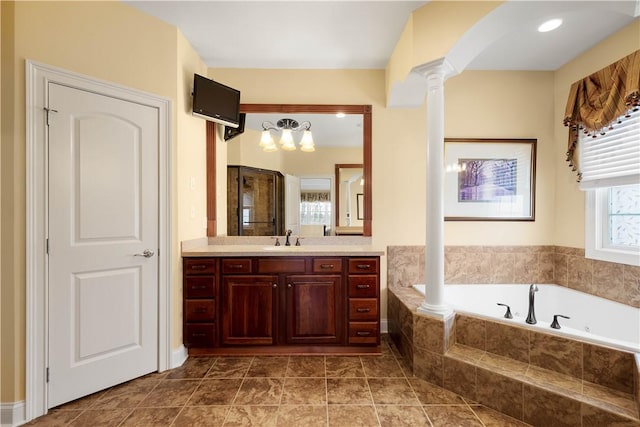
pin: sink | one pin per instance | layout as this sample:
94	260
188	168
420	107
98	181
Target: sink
283	248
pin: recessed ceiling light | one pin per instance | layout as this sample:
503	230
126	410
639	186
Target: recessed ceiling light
550	25
340	115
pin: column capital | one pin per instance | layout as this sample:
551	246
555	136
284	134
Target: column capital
441	68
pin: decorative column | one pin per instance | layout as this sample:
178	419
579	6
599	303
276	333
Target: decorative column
434	304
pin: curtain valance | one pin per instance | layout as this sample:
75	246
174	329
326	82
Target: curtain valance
600	99
315	196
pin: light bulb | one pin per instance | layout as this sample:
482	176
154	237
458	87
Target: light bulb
306	143
266	139
549	25
286	138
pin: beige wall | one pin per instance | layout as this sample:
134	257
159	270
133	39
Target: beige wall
569	200
109	41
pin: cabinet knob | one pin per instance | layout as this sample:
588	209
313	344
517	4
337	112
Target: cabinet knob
275	285
289	285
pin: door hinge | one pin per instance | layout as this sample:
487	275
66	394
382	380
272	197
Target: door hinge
46	246
47	374
47	111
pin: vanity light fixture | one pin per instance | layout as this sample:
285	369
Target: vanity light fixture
550	25
287	127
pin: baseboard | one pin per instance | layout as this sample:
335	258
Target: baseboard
178	356
12	414
384	326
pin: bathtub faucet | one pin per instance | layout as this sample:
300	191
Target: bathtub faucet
531	316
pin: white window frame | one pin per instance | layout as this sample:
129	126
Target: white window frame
602	172
597	231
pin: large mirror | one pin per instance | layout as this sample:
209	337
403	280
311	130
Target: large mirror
341	135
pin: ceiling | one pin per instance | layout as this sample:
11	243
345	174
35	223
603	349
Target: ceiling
362	34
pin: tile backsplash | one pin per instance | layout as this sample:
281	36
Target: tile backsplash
520	264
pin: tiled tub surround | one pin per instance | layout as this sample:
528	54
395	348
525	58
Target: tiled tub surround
539	378
520	264
589	318
436	353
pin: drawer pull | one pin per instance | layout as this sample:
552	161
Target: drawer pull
363	286
363	333
198	267
363	266
235	266
326	265
199	334
363	310
198	287
200	310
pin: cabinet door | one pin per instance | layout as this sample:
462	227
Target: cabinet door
249	307
314	310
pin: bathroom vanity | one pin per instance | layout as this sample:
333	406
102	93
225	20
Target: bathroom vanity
274	299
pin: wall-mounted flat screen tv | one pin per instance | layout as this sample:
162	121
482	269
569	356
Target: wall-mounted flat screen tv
216	102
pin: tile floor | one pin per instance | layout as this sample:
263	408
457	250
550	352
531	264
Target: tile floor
292	391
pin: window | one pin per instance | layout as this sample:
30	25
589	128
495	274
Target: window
610	168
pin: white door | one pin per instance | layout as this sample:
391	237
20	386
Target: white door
103	214
292	204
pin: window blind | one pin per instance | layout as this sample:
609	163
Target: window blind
611	159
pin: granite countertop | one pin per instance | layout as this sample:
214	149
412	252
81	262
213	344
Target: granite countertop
266	250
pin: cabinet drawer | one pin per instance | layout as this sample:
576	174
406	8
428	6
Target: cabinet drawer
199	266
199	310
365	286
327	265
363	309
236	265
199	335
363	333
363	265
276	265
199	287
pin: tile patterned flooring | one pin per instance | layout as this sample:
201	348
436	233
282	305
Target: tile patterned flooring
291	391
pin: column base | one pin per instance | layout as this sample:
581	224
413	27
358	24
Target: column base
439	311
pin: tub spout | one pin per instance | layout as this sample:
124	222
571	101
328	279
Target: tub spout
531	316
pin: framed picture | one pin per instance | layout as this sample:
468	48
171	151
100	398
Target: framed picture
489	179
360	206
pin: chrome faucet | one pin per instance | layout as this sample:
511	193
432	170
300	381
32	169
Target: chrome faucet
531	316
288	243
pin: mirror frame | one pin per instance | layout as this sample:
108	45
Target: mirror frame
365	110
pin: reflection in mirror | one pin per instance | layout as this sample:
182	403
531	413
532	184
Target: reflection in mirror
316	206
349	199
336	140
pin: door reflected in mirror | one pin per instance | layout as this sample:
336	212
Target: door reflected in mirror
349	199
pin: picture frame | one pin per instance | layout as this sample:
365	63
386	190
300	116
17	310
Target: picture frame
489	179
360	206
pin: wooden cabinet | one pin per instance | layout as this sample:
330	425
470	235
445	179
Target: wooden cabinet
364	301
314	313
249	309
281	300
199	302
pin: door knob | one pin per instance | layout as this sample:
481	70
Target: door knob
147	253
